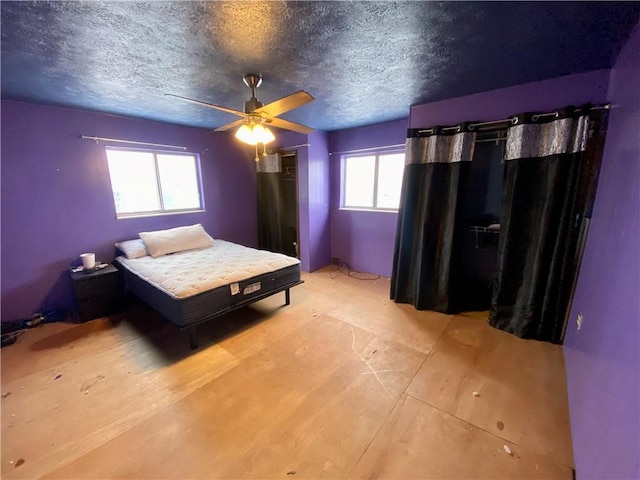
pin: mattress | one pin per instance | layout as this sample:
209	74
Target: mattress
194	286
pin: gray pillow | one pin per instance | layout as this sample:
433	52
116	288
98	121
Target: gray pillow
133	248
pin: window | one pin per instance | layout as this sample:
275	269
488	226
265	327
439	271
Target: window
151	183
373	181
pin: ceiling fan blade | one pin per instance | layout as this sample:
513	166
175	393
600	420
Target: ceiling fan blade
287	125
228	126
285	104
210	105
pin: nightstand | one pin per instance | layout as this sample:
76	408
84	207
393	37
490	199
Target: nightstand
98	293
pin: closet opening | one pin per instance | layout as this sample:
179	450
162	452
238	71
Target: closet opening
278	204
481	220
460	249
482	211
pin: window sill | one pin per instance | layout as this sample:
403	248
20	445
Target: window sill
377	210
124	216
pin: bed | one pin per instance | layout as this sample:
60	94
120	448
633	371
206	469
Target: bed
195	286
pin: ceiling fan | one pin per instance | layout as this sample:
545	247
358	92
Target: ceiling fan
256	116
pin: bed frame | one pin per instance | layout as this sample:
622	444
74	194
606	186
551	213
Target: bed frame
193	338
190	312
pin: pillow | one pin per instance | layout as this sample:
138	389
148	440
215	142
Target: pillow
133	248
163	242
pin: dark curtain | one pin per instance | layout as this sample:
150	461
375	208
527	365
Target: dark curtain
271	204
540	224
270	208
426	266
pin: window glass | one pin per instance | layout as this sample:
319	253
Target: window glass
373	181
179	181
145	182
390	170
359	176
133	181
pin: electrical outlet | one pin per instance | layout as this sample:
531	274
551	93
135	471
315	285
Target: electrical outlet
579	321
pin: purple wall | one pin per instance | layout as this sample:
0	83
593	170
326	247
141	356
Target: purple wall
319	199
363	239
57	201
498	104
603	358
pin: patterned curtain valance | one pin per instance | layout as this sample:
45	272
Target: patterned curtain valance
440	144
540	135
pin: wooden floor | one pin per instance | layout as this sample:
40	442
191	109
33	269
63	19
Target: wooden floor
343	383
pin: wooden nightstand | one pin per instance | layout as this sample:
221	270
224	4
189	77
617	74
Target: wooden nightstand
98	293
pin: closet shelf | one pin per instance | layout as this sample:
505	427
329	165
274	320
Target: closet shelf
475	229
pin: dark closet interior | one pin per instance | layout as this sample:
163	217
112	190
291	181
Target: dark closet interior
278	206
481	221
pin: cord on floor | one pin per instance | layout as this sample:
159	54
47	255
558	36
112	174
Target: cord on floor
345	269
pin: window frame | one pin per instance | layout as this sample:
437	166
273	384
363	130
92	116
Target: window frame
343	179
162	211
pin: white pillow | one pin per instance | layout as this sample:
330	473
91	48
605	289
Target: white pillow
133	248
163	242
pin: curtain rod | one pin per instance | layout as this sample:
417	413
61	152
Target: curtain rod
535	117
279	150
294	146
96	139
370	149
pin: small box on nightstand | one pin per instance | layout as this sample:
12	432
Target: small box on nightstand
98	293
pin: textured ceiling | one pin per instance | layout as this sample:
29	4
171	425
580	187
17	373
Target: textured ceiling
364	62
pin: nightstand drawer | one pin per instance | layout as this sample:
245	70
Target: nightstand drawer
91	287
95	307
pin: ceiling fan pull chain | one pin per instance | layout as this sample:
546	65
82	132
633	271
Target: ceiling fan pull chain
257	158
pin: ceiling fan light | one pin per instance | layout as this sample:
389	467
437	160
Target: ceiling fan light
263	134
245	134
269	137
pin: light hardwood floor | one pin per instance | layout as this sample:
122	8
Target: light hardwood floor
343	383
